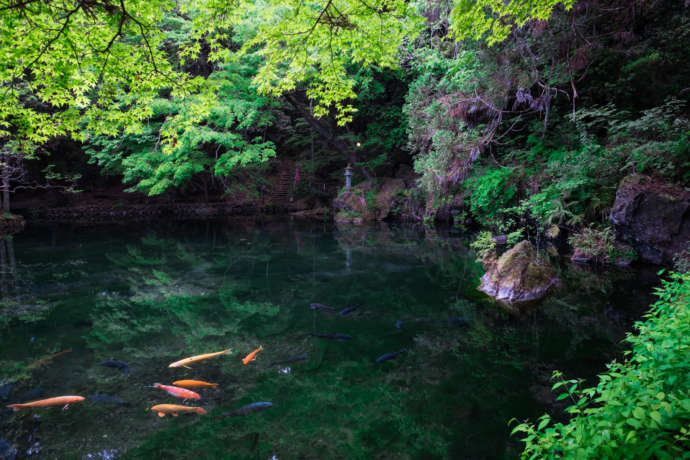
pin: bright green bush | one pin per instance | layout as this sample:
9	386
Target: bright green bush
640	407
491	192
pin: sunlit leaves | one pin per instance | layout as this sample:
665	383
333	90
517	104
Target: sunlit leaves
493	20
315	42
78	59
212	130
61	64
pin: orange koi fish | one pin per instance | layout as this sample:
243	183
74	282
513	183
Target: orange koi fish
57	401
194	384
177	392
252	356
175	409
42	361
195	359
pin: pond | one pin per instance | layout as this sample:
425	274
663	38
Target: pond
148	295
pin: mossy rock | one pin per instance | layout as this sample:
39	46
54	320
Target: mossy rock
368	201
518	276
553	232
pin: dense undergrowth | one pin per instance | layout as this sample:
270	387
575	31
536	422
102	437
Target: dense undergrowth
640	407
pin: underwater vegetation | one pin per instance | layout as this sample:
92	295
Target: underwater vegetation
452	368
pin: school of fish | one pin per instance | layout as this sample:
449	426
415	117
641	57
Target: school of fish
181	388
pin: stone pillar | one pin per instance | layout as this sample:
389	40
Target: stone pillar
348	177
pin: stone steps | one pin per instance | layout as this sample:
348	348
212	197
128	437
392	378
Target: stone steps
280	195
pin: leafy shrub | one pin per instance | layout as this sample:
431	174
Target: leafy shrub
484	245
593	243
512	238
491	193
640	407
657	142
600	246
580	182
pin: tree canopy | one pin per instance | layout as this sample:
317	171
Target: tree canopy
100	64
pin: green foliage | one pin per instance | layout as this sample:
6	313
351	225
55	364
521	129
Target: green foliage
581	180
492	192
493	21
513	238
78	52
442	140
578	181
595	244
208	132
484	245
641	407
76	58
314	42
656	142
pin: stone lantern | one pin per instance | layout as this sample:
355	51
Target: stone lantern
348	177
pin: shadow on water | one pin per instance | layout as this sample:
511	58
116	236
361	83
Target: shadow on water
151	296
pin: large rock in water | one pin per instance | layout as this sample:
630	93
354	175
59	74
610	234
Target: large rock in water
653	216
519	275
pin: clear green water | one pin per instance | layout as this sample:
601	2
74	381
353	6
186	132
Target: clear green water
150	295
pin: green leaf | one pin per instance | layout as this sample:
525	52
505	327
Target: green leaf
639	413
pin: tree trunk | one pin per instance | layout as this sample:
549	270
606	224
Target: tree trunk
3	270
5	184
12	265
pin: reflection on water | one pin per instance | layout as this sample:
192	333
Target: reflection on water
146	297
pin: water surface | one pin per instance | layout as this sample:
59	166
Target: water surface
151	295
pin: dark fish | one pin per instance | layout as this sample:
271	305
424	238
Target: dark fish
457	321
31	395
292	359
7	452
339	337
320	306
398	323
249	409
124	367
349	309
5	391
388	356
103	398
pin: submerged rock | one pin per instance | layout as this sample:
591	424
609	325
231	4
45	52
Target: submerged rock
519	275
654	216
5	391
